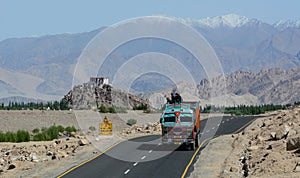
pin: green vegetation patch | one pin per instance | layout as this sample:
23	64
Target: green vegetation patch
45	134
245	110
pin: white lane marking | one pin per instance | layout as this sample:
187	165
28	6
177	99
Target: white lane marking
207	131
213	128
218	124
159	144
223	122
135	163
227	120
126	172
232	118
150	151
143	157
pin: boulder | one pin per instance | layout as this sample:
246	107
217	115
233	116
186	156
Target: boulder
49	153
233	169
252	148
293	143
11	166
83	142
73	134
62	154
297	168
33	158
273	135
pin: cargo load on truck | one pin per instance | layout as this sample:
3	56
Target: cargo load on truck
180	123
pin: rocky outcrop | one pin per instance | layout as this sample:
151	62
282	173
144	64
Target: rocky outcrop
90	95
270	147
25	155
148	128
273	86
267	148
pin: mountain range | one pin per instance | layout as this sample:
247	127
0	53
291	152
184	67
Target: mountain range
41	68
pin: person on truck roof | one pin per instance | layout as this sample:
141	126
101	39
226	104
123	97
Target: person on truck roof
178	98
172	100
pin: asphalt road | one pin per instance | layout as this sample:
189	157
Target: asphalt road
146	157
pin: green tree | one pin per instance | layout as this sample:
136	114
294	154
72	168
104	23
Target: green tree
56	105
63	105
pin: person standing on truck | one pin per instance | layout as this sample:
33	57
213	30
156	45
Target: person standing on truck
178	98
172	100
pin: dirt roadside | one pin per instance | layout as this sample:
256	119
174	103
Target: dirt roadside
269	147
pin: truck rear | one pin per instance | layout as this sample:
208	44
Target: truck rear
181	124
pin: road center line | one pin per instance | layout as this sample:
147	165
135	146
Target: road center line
126	172
150	151
135	163
143	157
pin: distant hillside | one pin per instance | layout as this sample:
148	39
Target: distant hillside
273	86
43	67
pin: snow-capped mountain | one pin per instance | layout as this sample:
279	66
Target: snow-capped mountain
45	65
284	24
230	21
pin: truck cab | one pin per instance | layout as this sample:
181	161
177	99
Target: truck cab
181	124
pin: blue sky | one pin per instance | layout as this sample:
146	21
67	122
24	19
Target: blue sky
28	18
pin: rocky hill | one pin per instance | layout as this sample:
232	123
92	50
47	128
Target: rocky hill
90	95
275	86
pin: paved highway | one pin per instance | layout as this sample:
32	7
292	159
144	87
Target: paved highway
146	157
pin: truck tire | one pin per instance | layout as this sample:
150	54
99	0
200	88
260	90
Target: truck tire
192	146
197	140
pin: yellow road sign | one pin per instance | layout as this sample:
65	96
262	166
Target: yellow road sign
106	127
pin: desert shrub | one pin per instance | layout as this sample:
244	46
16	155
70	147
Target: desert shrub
8	137
43	129
103	109
140	107
41	137
60	128
131	122
112	109
92	128
36	130
52	132
121	109
23	136
70	129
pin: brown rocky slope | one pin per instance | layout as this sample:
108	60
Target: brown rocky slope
90	95
273	86
270	147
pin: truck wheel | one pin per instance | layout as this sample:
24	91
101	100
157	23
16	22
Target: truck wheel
192	146
197	140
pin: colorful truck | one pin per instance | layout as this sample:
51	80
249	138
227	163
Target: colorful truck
181	124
